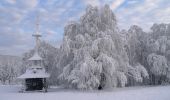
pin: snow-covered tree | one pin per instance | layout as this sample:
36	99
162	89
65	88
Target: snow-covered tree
134	41
158	67
160	30
93	55
9	68
158	64
158	45
6	73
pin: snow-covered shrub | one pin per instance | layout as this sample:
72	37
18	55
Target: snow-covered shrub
158	64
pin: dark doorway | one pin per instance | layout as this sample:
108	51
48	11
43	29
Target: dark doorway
34	84
102	81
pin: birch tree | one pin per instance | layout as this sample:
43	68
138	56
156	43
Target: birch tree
93	54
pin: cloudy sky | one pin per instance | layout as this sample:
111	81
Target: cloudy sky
18	18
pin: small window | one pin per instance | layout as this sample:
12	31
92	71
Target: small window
39	68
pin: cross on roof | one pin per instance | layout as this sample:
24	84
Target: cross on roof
37	35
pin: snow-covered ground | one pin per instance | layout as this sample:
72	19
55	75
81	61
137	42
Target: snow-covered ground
133	93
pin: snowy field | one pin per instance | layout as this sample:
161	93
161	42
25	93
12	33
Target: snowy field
133	93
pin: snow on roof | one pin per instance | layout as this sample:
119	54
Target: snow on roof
34	72
35	57
36	67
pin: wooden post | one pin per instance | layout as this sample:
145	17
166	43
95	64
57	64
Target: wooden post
44	84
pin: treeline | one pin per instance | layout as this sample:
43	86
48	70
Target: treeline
96	54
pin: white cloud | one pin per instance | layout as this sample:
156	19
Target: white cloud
144	14
11	1
116	4
162	15
92	2
132	1
28	3
31	3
